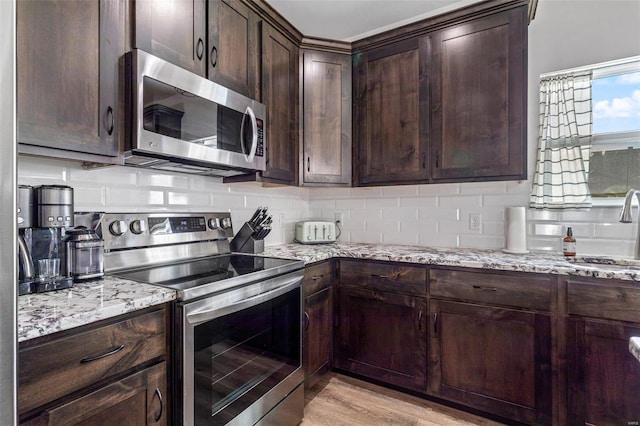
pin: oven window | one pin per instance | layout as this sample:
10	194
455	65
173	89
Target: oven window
240	357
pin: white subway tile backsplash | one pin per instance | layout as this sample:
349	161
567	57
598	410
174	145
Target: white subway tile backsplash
419	202
379	203
461	201
152	178
349	204
548	229
439	189
481	241
88	198
402	214
434	215
400	191
192	201
618	231
483	188
137	199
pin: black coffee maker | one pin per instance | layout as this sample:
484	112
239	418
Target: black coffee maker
43	214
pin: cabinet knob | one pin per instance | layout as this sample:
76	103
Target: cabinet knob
159	395
200	49
213	58
110	121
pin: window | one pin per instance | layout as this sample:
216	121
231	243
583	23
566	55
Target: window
614	165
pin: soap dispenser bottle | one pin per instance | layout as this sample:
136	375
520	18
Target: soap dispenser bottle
569	244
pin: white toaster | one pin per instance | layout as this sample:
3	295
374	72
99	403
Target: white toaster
315	231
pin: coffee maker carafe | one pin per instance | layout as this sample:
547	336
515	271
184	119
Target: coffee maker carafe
41	259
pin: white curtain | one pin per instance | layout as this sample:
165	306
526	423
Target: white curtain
561	176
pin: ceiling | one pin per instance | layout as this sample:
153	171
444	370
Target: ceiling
350	20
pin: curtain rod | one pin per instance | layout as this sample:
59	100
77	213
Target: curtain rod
593	67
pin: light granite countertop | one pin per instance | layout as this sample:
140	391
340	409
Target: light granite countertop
634	347
541	262
46	313
84	303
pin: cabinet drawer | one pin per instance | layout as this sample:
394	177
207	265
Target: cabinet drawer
57	368
317	277
616	300
393	277
519	290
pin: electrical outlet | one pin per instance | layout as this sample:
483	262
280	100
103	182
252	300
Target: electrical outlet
475	221
339	217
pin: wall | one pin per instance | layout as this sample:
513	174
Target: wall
127	189
564	34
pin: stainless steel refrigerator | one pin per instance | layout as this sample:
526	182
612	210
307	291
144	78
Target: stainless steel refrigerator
8	242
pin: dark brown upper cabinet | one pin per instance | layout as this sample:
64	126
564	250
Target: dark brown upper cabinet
174	30
390	115
67	88
233	47
326	142
280	95
478	82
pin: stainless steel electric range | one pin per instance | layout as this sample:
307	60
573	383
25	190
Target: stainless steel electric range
237	337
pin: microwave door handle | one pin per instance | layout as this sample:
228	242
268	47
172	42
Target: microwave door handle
254	128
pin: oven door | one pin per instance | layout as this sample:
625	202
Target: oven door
242	352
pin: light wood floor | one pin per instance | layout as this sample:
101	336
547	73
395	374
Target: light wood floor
342	400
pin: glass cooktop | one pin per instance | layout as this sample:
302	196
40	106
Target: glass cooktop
202	276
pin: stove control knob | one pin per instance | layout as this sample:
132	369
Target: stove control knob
225	222
213	223
138	226
118	227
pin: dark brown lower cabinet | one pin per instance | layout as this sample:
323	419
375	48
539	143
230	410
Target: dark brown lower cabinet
133	401
383	336
318	341
603	377
494	359
108	373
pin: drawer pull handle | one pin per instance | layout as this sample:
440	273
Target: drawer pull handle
97	357
380	276
159	395
435	324
307	321
479	287
317	277
420	320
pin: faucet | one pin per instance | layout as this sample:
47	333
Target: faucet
625	216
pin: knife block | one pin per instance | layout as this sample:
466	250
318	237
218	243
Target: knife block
243	242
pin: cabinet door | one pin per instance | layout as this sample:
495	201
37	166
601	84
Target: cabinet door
495	360
391	115
383	336
173	30
280	95
318	335
67	60
327	118
136	400
478	78
603	377
233	46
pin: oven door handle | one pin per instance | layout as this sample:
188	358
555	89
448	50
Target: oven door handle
209	312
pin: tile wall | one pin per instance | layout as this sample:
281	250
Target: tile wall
431	215
438	215
117	188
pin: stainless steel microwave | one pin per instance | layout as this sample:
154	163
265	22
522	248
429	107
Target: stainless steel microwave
178	121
